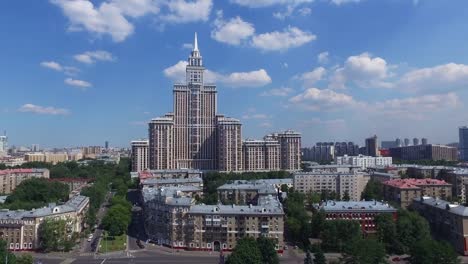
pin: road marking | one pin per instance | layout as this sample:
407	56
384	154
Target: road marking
103	261
67	261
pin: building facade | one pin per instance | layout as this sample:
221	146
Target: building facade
362	211
352	184
10	179
372	146
140	156
229	141
463	143
404	191
364	161
425	152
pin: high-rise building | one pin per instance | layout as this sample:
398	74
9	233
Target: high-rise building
406	142
424	152
3	143
195	136
398	142
415	141
372	146
106	144
424	141
463	146
140	155
35	148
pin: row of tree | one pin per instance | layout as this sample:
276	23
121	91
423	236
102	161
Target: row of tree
251	251
118	217
7	256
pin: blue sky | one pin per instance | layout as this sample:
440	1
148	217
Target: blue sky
79	72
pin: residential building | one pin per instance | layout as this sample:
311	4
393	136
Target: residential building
290	149
261	155
364	161
415	141
167	174
424	141
91	152
48	157
463	142
404	191
362	211
388	144
140	157
458	177
229	132
447	221
175	182
425	152
372	146
11	178
3	145
332	168
352	184
407	141
20	229
321	152
248	192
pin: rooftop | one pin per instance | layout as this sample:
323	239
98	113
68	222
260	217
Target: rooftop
443	205
267	205
360	206
11	171
414	183
153	181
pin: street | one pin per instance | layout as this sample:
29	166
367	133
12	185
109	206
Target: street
91	246
136	230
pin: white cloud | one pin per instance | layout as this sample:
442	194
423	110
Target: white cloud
417	108
78	83
441	77
255	78
265	124
182	11
255	116
233	31
305	11
290	37
363	70
283	15
341	2
52	65
188	46
90	57
282	92
322	58
265	3
314	99
310	78
37	109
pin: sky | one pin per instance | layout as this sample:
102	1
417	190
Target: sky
81	72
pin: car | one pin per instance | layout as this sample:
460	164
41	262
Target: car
285	247
139	244
90	236
89	239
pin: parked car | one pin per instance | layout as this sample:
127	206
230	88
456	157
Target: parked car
139	244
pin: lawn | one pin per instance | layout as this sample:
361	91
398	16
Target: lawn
109	244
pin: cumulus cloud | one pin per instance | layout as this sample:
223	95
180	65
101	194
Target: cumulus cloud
90	57
52	65
45	110
281	92
232	31
188	46
439	77
78	83
341	2
254	78
310	78
112	17
322	58
364	71
266	3
290	37
314	99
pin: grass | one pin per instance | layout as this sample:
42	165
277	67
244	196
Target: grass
110	244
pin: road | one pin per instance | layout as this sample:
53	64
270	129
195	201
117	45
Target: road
91	246
136	230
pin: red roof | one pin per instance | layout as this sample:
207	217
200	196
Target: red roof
71	180
10	171
414	183
145	174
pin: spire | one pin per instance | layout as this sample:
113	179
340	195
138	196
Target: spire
195	45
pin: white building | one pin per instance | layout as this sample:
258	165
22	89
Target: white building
364	161
140	158
3	145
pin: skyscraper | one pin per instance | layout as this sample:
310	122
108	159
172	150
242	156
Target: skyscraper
463	146
3	143
406	142
372	146
415	141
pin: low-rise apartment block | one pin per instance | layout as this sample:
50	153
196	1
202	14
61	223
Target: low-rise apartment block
11	178
364	161
20	228
341	183
248	192
362	211
404	191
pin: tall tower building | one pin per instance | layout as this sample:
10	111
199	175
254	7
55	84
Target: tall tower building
229	144
372	146
161	143
463	144
415	141
140	156
290	148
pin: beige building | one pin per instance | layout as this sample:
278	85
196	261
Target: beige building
49	157
261	155
404	191
290	157
447	221
20	228
229	134
248	192
161	143
91	152
340	183
10	179
140	155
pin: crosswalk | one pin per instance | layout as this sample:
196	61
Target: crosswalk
67	261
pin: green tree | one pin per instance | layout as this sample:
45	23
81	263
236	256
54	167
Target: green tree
312	198
5	254
267	248
319	257
318	222
338	234
53	236
24	259
411	228
245	252
308	258
117	219
428	251
365	251
387	232
372	191
346	196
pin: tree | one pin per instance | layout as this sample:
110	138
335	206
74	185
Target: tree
372	191
411	228
118	218
346	196
312	198
387	232
365	251
433	252
5	254
24	259
245	252
318	222
53	236
308	258
319	257
338	234
267	248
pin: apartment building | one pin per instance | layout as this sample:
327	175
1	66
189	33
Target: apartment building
425	152
458	177
447	221
140	157
362	211
248	192
167	174
404	191
11	178
20	228
341	183
48	157
364	161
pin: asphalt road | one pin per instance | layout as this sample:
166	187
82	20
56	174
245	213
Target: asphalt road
91	246
136	230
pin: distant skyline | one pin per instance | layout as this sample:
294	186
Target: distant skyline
80	72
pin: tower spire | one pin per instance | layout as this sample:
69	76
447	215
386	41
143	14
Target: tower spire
195	45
